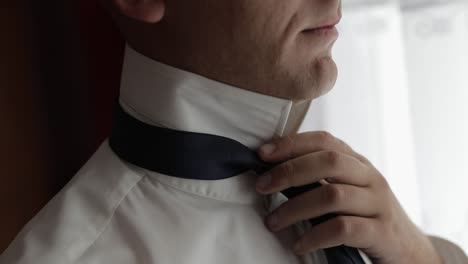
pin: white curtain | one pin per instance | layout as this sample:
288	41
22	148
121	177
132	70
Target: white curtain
401	100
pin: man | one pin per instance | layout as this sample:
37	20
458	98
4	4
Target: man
243	70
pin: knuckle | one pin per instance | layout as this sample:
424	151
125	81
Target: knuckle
332	158
343	227
321	139
289	146
287	172
324	137
333	193
372	229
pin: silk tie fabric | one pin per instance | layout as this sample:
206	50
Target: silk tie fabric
200	156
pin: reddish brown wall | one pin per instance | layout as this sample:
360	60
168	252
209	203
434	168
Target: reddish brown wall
23	166
60	66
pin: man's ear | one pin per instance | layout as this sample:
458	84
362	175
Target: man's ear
148	11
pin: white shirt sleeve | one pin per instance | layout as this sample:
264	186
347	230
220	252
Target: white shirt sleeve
449	252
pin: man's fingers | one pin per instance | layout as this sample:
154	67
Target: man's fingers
331	198
301	144
333	166
352	231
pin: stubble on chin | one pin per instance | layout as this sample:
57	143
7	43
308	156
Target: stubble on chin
327	73
307	81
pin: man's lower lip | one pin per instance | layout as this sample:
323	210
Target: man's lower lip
323	31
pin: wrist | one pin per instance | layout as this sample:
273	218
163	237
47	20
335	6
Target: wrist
423	251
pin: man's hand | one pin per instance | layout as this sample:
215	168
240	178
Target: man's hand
369	216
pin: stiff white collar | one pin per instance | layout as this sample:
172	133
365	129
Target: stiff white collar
165	96
169	97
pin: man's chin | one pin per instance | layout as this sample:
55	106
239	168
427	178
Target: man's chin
326	75
318	84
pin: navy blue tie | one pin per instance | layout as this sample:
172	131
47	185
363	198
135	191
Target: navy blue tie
191	155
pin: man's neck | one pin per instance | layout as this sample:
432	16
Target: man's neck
165	96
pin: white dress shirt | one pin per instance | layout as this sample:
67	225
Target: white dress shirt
115	212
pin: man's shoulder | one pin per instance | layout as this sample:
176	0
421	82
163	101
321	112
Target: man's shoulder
74	218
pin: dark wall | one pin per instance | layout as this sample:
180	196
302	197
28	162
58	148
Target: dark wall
23	138
60	65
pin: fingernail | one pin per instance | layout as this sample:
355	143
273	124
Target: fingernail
264	181
268	149
330	180
272	221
